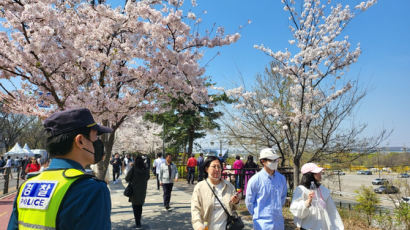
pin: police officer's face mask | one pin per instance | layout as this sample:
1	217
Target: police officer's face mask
98	150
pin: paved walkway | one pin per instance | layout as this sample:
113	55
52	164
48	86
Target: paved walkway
154	216
6	207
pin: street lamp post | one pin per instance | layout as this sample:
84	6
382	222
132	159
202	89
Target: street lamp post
221	141
220	146
378	162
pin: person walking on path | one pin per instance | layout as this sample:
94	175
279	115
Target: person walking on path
138	176
33	166
249	170
238	166
167	175
266	194
312	205
204	205
116	167
7	167
157	166
127	163
70	198
17	164
191	164
24	163
200	164
2	164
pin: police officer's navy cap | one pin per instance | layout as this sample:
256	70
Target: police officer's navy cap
73	119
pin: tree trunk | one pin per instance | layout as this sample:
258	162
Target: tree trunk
102	166
190	140
296	172
184	154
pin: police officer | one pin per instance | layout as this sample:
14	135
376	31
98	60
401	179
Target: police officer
63	196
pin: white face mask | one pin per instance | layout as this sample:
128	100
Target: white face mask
273	165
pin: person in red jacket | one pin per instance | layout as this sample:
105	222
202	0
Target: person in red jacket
191	164
33	166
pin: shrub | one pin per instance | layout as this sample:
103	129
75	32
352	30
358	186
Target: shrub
384	220
402	214
368	201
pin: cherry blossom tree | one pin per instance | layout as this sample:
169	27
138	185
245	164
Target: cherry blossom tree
311	80
116	62
138	135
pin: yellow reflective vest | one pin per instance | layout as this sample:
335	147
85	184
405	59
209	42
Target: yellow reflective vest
39	198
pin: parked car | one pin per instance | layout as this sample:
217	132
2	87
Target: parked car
380	181
404	175
405	200
338	172
387	189
367	172
360	172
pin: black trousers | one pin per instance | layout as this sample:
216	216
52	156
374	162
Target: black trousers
191	174
115	174
137	213
167	193
157	180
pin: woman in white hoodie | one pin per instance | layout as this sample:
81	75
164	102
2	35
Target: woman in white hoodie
312	205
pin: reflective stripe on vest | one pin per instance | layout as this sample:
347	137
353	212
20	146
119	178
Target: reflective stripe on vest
43	194
23	225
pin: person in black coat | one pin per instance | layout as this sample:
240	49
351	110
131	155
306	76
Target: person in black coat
138	177
116	167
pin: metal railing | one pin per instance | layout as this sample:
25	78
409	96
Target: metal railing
243	175
7	180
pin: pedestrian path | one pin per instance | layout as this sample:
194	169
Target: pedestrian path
154	216
6	207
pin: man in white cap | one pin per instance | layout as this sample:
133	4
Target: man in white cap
266	193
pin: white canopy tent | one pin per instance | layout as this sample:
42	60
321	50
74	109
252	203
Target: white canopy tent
28	150
18	151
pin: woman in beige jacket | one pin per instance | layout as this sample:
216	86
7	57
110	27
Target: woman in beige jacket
204	206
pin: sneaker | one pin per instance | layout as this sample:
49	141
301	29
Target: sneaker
138	226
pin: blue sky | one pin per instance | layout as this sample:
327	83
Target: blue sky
383	68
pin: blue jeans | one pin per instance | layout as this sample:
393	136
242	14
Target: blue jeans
238	181
191	175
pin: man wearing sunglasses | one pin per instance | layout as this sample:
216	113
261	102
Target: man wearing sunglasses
266	193
63	196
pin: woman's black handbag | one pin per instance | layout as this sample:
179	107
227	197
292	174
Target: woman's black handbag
234	222
128	190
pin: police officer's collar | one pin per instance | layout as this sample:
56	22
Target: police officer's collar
60	163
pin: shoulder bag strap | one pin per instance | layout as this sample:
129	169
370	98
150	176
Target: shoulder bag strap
227	213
